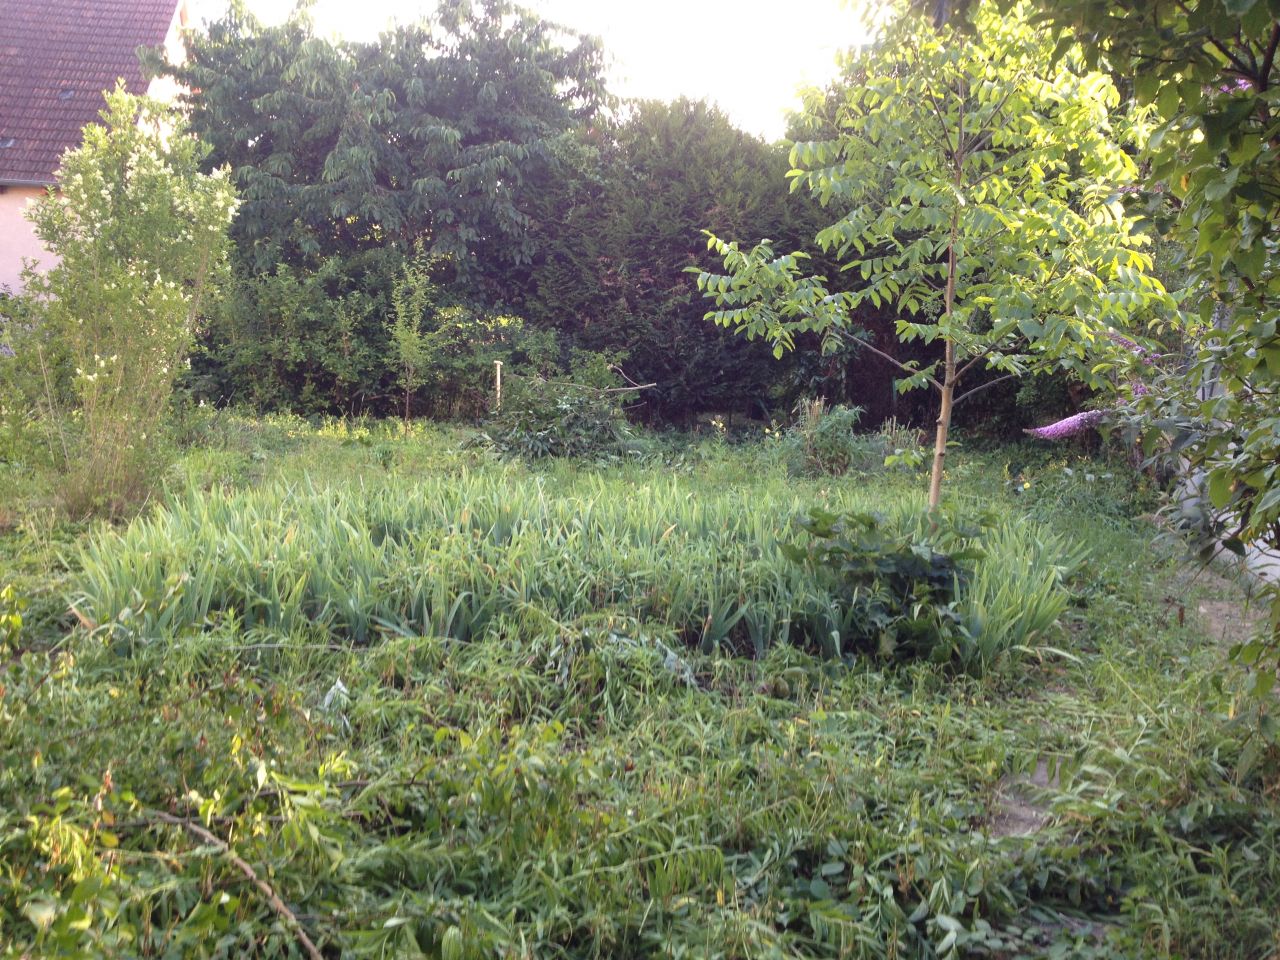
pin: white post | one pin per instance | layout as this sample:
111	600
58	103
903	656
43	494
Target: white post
497	384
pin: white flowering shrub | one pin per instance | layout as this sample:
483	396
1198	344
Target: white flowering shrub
140	233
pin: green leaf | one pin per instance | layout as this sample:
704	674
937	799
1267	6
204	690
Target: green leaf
1220	483
41	911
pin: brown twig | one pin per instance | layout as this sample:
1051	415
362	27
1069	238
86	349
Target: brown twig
585	386
278	905
910	371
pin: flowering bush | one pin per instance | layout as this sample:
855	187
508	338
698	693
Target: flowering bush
139	233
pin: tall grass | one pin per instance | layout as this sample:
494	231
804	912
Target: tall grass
458	556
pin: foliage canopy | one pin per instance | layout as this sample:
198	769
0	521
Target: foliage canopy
430	133
977	181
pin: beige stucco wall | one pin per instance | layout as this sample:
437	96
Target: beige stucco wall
17	239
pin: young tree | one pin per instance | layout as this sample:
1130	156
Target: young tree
139	233
412	296
978	182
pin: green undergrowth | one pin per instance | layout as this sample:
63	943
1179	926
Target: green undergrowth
468	554
576	777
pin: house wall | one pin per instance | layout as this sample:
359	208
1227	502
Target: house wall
17	238
166	89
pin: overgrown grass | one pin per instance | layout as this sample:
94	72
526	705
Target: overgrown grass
596	786
457	556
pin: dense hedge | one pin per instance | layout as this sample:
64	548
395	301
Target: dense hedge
486	135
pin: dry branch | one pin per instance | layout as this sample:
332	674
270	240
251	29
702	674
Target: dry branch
278	905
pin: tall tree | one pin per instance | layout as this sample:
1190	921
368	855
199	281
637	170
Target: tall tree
428	134
1211	68
977	180
616	238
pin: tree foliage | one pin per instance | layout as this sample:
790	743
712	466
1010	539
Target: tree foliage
429	133
1209	68
616	238
977	181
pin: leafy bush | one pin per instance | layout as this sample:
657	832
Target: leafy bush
462	344
140	235
577	417
896	589
822	441
901	444
307	341
373	333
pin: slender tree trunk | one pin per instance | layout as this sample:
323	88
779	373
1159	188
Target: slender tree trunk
948	390
949	378
943	427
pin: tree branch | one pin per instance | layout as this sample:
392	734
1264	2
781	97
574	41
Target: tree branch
276	904
1221	47
897	363
1269	59
983	386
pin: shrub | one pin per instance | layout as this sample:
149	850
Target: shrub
580	416
307	341
139	234
462	345
896	589
822	441
901	445
371	333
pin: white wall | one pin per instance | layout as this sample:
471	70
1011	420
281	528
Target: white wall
17	240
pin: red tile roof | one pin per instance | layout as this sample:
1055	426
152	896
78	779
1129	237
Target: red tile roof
56	58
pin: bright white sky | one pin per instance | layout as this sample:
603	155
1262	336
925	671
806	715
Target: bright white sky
749	56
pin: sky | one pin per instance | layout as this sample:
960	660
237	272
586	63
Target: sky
749	56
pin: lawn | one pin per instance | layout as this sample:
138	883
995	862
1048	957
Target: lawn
367	694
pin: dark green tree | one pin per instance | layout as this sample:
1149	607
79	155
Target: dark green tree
615	239
428	134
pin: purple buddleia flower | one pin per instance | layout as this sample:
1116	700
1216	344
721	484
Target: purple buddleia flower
1069	427
1138	351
